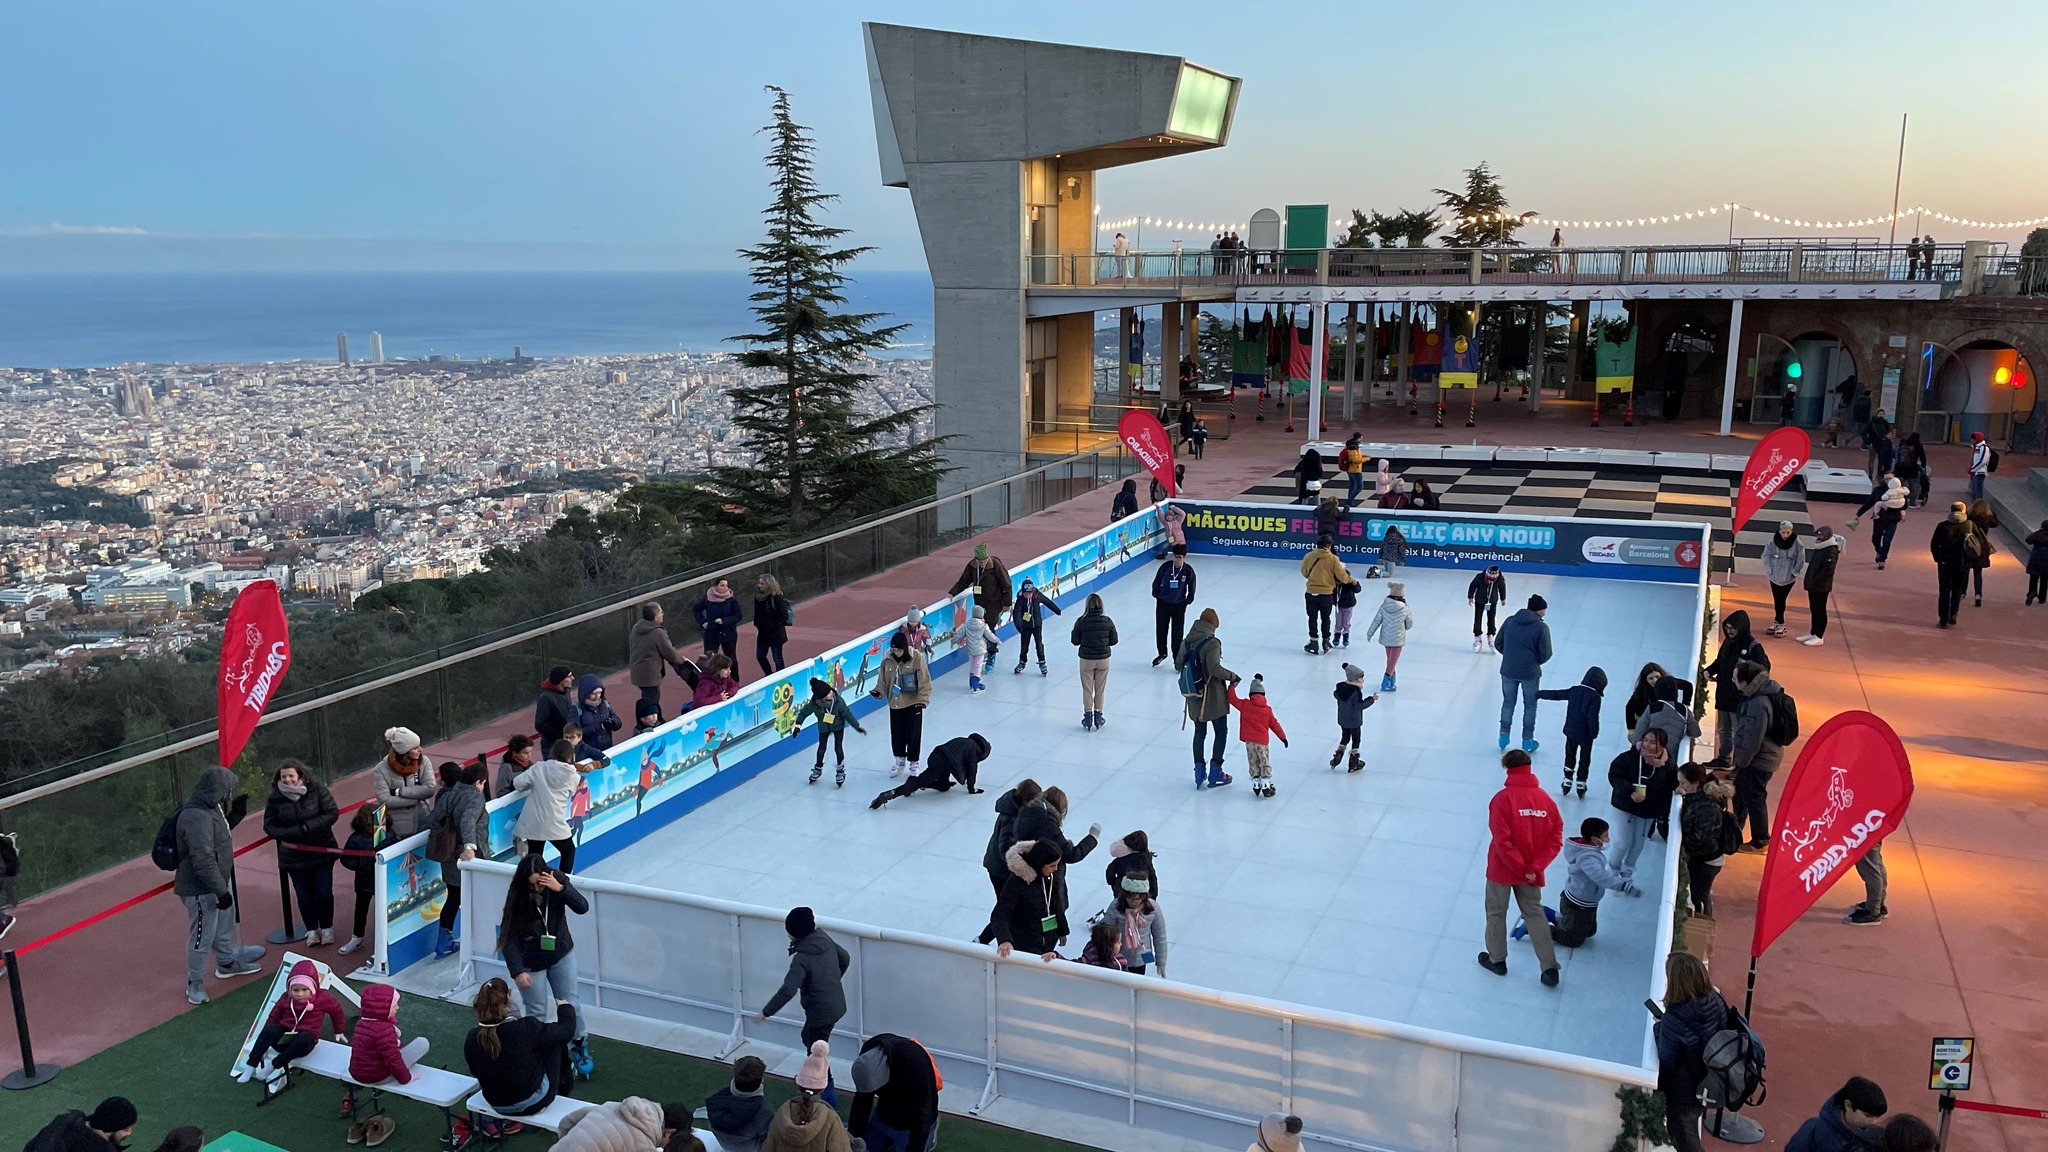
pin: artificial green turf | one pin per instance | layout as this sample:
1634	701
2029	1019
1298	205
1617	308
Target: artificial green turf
177	1073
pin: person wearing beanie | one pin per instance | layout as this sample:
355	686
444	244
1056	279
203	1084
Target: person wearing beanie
1755	755
905	681
1524	644
106	1129
1205	686
1981	463
646	716
1322	573
896	1094
1581	724
957	760
981	644
1278	1132
404	783
835	716
1256	728
1391	624
1821	558
817	969
1487	592
293	1027
1954	541
551	707
805	1123
1132	853
1028	614
204	883
1173	589
1784	555
1029	914
917	631
1891	499
1140	926
1351	705
717	614
989	581
1527	833
738	1114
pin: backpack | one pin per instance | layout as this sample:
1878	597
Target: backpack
1783	728
163	851
444	840
1992	463
788	613
1973	543
1194	682
1734	1060
1731	833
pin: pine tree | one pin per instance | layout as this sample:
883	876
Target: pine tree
819	453
1479	214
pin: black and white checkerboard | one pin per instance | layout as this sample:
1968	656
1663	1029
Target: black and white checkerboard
1590	493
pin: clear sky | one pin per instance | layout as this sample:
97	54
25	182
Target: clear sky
509	133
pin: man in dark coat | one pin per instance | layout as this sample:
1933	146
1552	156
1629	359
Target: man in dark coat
551	707
896	1094
1951	548
106	1130
205	883
817	967
990	581
958	759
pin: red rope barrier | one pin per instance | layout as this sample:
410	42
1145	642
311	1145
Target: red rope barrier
160	889
2002	1109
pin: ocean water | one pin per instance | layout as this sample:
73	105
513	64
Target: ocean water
94	319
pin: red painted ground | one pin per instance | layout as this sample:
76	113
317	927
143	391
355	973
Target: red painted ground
1960	954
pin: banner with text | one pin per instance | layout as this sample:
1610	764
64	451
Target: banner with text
1775	460
255	651
1848	790
1615	549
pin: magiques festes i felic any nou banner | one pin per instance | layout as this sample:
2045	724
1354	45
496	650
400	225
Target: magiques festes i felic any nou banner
1636	551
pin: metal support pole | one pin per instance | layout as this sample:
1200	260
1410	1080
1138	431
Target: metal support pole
31	1074
1350	363
1733	355
1948	1109
1401	356
1318	345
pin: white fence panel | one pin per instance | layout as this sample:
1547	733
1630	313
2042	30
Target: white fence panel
941	998
1063	1043
1377	1091
667	962
1199	1065
1506	1102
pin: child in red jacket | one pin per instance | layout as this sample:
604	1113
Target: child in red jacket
294	1024
1256	731
376	1056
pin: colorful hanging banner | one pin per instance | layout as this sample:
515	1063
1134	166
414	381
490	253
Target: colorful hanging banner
1848	791
255	651
1775	460
1460	367
1300	341
1614	363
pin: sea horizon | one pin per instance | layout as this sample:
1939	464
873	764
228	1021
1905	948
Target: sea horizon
104	319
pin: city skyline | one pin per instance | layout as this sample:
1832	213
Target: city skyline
382	136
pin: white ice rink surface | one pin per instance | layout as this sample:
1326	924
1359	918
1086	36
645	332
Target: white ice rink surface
1358	893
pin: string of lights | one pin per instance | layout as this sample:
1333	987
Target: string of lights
1532	219
1169	225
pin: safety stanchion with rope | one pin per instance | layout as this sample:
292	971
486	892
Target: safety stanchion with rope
31	1074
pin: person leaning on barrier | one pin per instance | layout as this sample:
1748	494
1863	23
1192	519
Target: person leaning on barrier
205	883
817	970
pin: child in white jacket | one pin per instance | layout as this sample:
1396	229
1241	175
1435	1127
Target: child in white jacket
1391	624
980	640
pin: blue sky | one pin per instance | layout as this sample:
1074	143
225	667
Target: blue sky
467	133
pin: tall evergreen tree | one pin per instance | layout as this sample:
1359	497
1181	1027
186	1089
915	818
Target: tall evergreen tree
824	444
1479	214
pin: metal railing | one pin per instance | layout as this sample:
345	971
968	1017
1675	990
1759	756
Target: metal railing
1817	261
2008	275
83	817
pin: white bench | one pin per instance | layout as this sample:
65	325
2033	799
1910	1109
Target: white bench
434	1086
551	1117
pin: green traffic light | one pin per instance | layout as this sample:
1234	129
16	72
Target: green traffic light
1794	370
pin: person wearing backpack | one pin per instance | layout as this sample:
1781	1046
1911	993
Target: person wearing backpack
201	849
1982	519
1737	645
1848	1122
772	617
1955	546
1204	685
1765	722
1693	1012
1981	463
457	829
1703	833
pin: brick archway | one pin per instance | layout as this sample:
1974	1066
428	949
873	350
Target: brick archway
2029	435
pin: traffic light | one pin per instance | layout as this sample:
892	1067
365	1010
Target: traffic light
2001	375
1794	370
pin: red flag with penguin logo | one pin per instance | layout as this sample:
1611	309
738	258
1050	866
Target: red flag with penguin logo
255	650
1776	459
1847	792
1146	437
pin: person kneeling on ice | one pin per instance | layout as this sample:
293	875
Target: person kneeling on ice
1351	705
1255	730
981	644
294	1024
834	718
958	759
1587	876
1581	725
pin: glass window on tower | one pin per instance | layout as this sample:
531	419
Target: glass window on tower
1201	104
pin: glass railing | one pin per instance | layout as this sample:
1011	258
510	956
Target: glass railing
81	817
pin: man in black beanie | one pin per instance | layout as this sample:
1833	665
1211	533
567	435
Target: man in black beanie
817	965
105	1130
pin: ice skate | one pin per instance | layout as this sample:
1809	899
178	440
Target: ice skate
1357	763
816	772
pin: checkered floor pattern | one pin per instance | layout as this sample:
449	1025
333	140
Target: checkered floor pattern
1592	493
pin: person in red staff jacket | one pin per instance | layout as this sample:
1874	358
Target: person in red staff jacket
1527	834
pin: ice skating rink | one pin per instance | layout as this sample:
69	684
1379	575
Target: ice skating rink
1358	892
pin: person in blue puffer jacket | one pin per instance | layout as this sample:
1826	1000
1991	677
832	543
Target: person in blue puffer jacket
1524	650
592	715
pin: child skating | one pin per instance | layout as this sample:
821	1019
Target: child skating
980	640
1028	614
1391	624
1347	602
1581	726
1351	705
1255	731
1487	592
834	718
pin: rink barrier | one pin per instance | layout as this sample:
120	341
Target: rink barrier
1671	552
1133	1050
658	776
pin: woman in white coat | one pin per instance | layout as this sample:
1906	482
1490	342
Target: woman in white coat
1390	627
549	786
